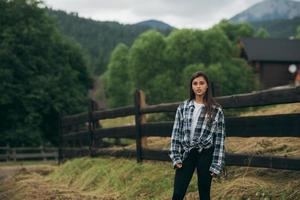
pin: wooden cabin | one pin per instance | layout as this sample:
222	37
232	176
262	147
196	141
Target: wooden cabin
271	59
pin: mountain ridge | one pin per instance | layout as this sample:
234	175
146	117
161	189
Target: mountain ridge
154	24
269	10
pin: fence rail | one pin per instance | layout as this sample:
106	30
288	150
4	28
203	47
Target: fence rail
28	153
283	125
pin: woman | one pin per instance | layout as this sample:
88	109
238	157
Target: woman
198	138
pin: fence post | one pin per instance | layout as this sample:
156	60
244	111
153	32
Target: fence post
60	142
143	117
215	89
139	102
91	127
7	152
43	152
14	154
213	92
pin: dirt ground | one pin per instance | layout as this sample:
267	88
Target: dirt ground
29	183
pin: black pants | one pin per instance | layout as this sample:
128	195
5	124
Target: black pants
202	162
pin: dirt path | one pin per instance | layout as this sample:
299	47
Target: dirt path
8	172
30	183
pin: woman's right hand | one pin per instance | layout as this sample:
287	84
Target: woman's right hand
178	165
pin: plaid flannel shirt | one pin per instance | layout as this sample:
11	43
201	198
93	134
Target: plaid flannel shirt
211	134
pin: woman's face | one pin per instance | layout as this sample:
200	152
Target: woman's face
199	86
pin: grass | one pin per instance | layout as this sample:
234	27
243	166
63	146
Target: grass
116	178
125	179
119	121
112	178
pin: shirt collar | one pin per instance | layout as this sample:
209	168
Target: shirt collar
191	103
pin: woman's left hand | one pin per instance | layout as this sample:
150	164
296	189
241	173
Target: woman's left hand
213	174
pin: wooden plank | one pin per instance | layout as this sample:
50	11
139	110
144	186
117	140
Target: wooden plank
138	123
253	99
117	132
75	148
51	149
26	148
75	152
160	129
163	107
256	126
261	98
256	98
4	157
36	155
76	135
75	119
274	162
160	155
91	125
246	160
60	138
113	113
286	125
115	153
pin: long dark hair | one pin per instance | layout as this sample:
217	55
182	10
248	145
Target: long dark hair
208	99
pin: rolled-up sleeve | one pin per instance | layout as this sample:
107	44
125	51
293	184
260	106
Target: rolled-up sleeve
176	138
218	161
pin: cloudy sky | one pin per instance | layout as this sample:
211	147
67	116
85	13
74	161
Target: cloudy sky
178	13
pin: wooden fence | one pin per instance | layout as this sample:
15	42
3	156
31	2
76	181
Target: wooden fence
79	134
28	153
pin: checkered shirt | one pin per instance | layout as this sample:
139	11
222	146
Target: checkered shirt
211	134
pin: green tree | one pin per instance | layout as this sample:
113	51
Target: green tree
298	33
42	74
235	31
236	77
261	33
184	47
117	82
231	77
163	88
217	46
162	66
146	60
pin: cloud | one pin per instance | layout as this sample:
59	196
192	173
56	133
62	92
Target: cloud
178	13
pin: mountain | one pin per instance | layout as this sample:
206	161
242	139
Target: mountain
269	10
278	28
155	24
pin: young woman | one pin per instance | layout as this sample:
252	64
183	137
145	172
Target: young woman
198	138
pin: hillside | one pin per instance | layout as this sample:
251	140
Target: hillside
279	28
97	38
